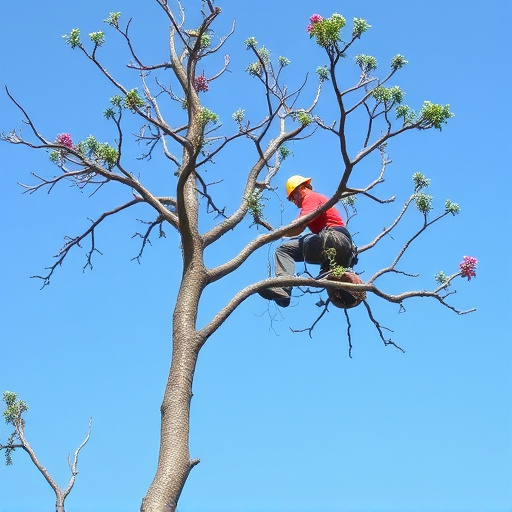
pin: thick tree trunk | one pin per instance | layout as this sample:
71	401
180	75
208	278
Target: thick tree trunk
174	462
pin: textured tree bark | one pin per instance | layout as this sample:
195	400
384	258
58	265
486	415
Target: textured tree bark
174	462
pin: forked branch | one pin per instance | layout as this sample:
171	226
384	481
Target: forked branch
13	415
75	242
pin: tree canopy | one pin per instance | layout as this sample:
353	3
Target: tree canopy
92	163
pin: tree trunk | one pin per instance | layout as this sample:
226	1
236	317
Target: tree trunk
59	500
174	462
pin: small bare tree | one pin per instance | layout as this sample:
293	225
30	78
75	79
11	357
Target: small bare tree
174	120
13	415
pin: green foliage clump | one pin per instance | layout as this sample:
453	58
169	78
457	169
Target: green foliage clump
55	156
14	409
304	118
109	113
349	200
255	204
367	63
207	116
113	19
327	31
9	449
205	41
323	73
441	278
387	94
284	153
250	43
420	181
98	151
254	69
424	202
264	54
98	38
398	61
107	154
431	115
239	115
132	100
435	115
335	269
397	95
407	113
360	26
283	61
117	101
264	57
73	38
450	207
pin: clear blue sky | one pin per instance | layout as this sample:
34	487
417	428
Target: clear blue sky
281	422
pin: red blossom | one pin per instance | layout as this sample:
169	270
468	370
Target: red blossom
468	267
201	83
64	139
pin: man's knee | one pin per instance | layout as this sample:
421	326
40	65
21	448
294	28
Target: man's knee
289	248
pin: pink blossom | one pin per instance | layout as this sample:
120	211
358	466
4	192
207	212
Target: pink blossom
64	139
313	19
468	267
201	83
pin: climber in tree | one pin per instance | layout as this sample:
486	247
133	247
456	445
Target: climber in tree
327	232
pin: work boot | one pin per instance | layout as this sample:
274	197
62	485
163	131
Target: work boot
281	296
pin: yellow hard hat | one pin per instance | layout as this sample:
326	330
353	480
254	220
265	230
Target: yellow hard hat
294	181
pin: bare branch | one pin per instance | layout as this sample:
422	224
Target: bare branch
283	282
368	93
388	230
349	335
380	328
309	330
74	242
27	119
145	236
211	207
407	243
74	463
158	122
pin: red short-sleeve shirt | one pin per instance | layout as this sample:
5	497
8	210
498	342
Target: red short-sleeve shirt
330	218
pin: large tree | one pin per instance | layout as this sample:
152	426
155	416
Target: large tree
174	119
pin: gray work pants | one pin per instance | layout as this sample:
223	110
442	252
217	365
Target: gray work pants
310	248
